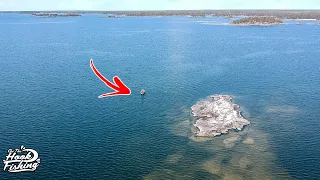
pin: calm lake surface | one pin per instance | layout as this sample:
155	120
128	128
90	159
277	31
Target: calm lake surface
49	97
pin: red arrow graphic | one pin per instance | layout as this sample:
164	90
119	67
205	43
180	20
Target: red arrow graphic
117	85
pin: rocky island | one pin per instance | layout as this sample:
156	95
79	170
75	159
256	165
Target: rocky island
113	16
257	21
217	116
56	14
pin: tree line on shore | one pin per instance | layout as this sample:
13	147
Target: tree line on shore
258	20
281	14
56	14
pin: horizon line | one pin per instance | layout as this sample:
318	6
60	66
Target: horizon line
168	10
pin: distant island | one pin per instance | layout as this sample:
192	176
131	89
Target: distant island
257	21
56	14
217	116
114	16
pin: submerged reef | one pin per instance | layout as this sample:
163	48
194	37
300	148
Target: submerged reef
244	155
217	116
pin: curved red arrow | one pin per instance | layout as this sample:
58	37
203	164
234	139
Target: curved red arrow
119	87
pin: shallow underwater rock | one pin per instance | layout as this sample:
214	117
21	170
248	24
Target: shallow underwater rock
200	139
232	177
230	142
248	140
217	116
283	109
174	158
181	128
245	163
213	167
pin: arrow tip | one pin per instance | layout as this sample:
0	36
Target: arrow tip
119	87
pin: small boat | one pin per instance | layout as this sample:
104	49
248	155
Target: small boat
143	92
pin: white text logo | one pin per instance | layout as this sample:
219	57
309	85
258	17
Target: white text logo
20	160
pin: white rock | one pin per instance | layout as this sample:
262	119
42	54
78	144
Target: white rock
217	116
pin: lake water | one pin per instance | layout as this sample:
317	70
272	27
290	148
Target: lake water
49	97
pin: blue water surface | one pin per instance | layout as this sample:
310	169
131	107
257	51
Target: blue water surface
49	94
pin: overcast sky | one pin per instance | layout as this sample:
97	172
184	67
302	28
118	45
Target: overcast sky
12	5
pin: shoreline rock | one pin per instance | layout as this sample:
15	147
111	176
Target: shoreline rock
217	116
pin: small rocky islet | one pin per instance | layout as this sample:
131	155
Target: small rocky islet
217	115
257	21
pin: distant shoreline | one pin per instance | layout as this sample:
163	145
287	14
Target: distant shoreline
54	15
281	14
301	19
